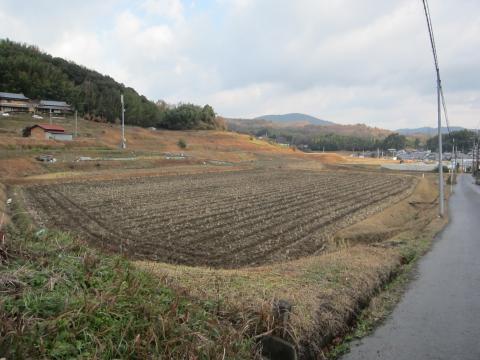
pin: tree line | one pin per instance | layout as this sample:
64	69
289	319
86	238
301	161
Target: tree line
25	69
328	141
463	141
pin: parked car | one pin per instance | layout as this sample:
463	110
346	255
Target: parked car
35	116
5	114
46	158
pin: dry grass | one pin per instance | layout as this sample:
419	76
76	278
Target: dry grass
109	174
417	211
148	147
3	201
18	167
327	292
4	220
326	158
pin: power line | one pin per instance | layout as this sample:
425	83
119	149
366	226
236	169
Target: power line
435	58
440	102
445	110
430	32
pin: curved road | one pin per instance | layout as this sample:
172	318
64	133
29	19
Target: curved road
439	315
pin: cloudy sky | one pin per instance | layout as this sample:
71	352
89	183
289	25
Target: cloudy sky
348	61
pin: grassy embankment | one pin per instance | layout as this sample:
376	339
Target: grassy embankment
62	300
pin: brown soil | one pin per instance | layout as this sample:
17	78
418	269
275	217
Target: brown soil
238	219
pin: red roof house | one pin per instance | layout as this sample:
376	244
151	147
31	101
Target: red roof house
47	131
49	128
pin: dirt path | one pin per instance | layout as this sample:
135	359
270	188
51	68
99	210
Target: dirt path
439	316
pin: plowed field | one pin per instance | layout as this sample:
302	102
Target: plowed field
221	220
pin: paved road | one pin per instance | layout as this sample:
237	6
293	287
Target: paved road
439	315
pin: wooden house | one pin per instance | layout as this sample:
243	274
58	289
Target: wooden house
11	102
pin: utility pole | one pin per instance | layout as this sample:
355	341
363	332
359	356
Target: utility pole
455	153
476	154
50	116
453	161
478	157
473	157
76	122
441	197
123	143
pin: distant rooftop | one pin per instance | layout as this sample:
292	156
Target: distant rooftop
53	103
14	96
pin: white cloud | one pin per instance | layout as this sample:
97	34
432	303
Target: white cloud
9	25
167	8
85	48
347	61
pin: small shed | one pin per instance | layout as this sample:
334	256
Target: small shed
47	131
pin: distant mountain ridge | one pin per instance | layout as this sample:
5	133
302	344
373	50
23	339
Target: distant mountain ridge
430	131
295	118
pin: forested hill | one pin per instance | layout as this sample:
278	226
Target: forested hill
294	118
25	69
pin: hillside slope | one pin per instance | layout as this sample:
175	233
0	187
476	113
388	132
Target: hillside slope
147	150
25	69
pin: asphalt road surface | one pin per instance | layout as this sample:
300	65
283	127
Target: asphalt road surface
439	315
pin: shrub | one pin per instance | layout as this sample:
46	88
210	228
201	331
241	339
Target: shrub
182	144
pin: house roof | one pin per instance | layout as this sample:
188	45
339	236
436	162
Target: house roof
49	127
14	96
53	103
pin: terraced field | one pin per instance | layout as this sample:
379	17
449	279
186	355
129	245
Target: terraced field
221	220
